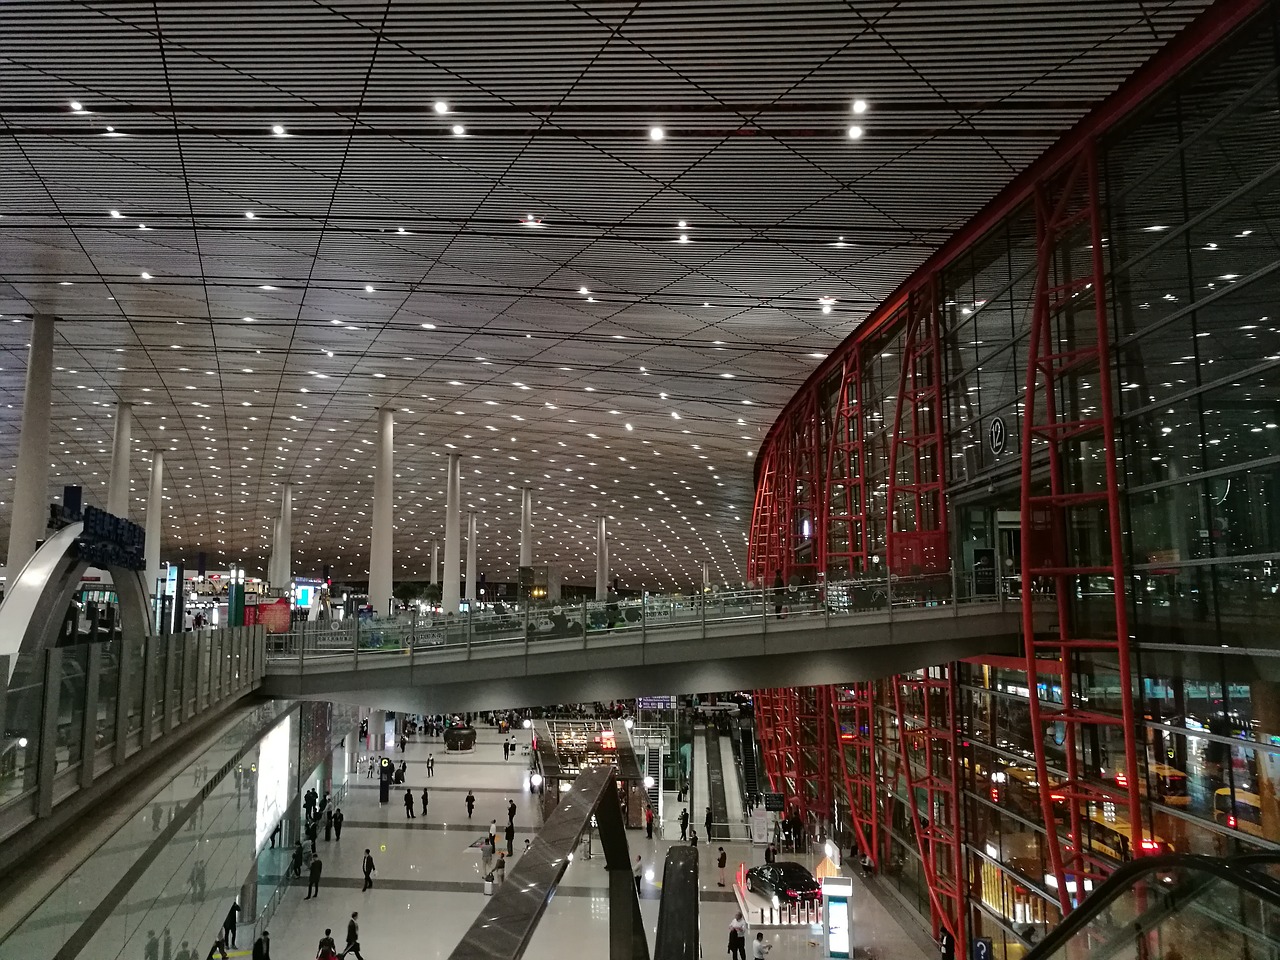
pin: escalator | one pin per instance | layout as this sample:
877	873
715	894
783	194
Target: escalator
1177	907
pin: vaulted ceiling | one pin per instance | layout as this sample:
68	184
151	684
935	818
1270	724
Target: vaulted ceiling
591	247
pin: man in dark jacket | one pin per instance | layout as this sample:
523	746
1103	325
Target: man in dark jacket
262	947
337	824
313	882
511	839
511	811
353	937
367	867
229	924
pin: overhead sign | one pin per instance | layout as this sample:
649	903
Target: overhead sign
110	541
655	703
997	435
774	802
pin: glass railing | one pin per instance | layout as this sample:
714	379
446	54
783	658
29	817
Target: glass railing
679	617
71	714
1175	908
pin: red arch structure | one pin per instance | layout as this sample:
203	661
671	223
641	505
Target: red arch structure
852	481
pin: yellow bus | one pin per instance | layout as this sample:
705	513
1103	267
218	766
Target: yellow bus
1245	814
1108	834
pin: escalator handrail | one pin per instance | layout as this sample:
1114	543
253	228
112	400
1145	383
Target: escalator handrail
1236	870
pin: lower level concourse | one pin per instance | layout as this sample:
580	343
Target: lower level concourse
216	845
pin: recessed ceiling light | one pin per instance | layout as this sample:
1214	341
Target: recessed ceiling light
266	286
278	130
249	320
116	214
727	376
682	224
77	107
368	288
859	106
656	133
441	107
248	215
583	290
855	132
428	326
684	238
145	275
459	130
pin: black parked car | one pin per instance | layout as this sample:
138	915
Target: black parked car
787	880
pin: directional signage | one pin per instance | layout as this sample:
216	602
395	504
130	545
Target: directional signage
774	802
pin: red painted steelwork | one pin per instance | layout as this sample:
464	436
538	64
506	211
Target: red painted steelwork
1069	413
853	713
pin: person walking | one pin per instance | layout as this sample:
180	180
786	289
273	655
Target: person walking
648	821
166	950
707	822
219	947
229	924
500	869
424	802
327	949
408	805
486	857
760	949
511	839
367	867
431	764
737	937
337	823
721	860
506	749
151	949
471	803
403	741
637	871
312	831
328	825
184	951
511	811
262	947
353	936
684	824
313	881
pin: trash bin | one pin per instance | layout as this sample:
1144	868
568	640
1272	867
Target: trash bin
488	886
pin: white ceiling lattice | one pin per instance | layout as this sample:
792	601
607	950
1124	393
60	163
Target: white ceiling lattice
386	261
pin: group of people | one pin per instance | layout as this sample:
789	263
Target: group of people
157	949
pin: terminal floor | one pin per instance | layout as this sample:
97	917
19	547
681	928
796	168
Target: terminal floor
428	889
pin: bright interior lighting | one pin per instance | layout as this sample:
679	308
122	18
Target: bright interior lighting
656	133
459	130
428	326
76	106
441	107
855	132
278	130
859	106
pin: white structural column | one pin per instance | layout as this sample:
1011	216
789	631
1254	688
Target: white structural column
380	546
471	556
453	497
155	520
526	527
273	561
118	482
284	546
435	563
31	484
602	561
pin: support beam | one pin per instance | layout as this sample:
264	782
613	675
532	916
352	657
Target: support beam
155	520
118	482
471	556
31	482
284	546
526	527
435	562
380	543
602	561
449	599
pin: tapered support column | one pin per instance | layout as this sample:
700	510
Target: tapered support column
471	555
284	546
435	562
452	552
526	527
380	547
31	483
155	520
118	482
602	561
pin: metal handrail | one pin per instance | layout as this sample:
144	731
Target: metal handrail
834	602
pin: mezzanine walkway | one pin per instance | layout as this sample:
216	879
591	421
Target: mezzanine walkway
568	654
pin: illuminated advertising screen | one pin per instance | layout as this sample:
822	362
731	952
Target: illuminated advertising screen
273	779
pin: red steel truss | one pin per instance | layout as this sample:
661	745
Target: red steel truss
853	713
788	506
795	742
917	523
928	759
1071	530
844	523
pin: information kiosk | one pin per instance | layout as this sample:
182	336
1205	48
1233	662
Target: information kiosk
837	917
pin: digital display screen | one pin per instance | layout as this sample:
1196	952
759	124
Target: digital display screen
273	780
304	596
838	928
